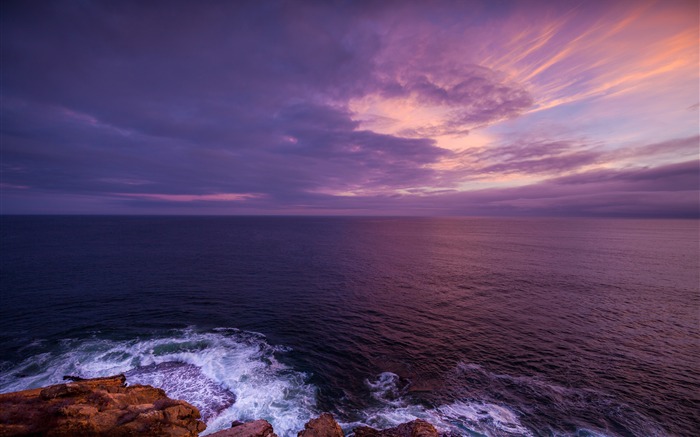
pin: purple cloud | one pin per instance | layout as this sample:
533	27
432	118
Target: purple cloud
189	106
531	157
676	147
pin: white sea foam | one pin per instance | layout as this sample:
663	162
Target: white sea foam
185	381
386	389
482	417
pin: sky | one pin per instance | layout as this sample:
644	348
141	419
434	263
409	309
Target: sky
437	108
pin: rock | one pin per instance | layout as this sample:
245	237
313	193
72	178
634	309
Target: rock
100	406
417	428
256	428
323	426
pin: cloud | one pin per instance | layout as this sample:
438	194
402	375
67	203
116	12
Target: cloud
669	191
304	147
531	157
677	147
666	191
239	98
682	176
524	160
215	197
449	102
284	106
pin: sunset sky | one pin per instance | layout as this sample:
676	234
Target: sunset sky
571	108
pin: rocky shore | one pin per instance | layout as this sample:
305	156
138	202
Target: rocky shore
108	407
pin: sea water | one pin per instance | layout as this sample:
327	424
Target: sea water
497	327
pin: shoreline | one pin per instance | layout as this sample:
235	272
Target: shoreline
109	407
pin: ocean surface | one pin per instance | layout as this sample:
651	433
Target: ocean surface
496	327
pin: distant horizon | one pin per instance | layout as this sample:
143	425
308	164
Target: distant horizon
475	108
161	215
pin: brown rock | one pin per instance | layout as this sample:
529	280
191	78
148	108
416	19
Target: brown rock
256	428
323	426
100	406
417	428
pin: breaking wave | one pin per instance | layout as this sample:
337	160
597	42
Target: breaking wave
228	374
231	374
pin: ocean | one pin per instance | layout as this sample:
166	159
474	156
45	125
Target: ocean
482	326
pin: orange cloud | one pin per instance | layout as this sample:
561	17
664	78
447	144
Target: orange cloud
635	50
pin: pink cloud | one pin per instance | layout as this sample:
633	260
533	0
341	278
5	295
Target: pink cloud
216	197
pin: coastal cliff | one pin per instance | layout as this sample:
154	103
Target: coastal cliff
108	407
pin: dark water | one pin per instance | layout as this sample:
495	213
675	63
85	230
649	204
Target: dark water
482	326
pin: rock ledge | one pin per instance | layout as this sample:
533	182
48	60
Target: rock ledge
100	406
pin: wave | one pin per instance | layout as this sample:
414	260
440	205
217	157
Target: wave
470	418
228	374
591	412
231	374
